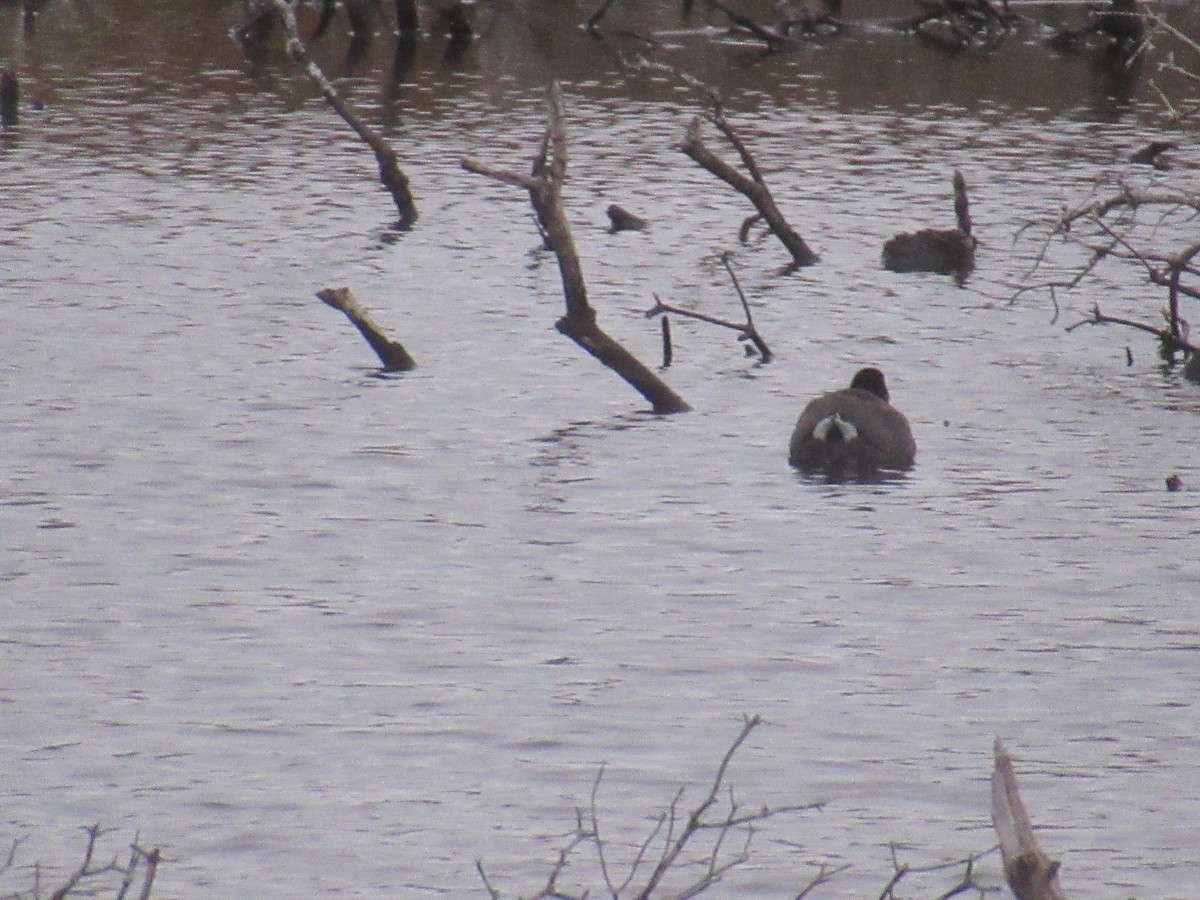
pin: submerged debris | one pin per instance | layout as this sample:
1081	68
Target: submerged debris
625	221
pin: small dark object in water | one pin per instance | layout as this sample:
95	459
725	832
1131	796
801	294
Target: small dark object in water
853	433
1124	24
624	221
945	251
1174	482
10	97
1149	155
1191	368
1122	27
455	21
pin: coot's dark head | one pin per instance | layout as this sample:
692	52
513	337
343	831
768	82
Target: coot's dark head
870	380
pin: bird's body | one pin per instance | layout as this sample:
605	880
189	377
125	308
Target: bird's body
854	432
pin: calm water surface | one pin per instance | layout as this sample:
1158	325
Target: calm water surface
315	631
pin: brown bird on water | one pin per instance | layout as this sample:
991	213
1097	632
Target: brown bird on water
854	432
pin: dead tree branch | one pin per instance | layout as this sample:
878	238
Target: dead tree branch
675	833
95	879
1114	227
1029	870
752	185
390	174
1168	341
746	330
825	874
579	324
968	882
392	354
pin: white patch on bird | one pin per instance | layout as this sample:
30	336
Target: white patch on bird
845	431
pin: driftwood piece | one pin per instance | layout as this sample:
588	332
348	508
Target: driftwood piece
1029	870
579	323
945	251
392	354
390	173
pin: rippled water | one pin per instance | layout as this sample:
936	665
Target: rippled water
317	631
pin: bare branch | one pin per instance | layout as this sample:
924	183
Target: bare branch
390	173
746	330
824	874
579	323
1030	872
495	894
752	186
391	353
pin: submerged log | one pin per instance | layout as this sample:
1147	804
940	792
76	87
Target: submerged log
1029	870
623	220
579	323
392	354
944	251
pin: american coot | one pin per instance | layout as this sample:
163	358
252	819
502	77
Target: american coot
853	433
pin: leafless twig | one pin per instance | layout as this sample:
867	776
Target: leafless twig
676	832
94	879
746	330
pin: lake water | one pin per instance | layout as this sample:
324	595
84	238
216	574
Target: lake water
318	632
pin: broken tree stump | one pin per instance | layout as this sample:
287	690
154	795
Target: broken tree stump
392	354
1028	869
579	323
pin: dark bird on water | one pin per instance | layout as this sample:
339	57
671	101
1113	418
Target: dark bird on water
949	251
853	433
